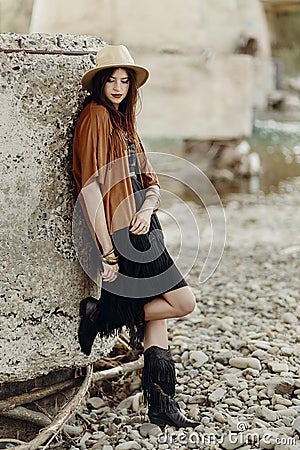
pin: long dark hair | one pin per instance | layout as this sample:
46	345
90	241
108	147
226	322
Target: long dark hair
123	119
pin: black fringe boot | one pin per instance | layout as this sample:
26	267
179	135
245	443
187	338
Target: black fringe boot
106	317
158	383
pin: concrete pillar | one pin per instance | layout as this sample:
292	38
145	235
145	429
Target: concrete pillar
42	282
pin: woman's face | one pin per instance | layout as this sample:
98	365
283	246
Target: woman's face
116	88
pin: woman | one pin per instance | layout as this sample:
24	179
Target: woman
119	193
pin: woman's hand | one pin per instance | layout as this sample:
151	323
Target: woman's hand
110	272
140	223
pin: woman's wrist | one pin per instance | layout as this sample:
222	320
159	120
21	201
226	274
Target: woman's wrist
106	248
110	257
111	261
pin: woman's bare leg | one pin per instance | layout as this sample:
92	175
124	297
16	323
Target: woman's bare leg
177	303
156	334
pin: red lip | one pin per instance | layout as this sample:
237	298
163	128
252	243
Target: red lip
117	95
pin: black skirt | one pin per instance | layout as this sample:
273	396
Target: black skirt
146	271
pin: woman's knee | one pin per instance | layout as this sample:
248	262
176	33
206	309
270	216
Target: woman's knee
188	305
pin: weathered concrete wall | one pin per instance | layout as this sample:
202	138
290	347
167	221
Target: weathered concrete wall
199	86
41	280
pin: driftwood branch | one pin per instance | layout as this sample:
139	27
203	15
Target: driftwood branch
37	394
10	441
52	428
62	417
38	418
118	371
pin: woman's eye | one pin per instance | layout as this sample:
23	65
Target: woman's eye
125	81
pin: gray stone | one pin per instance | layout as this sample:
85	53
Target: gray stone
266	414
283	411
244	395
288	351
231	379
95	402
289	318
101	445
260	354
149	429
126	403
268	441
102	439
278	399
243	363
224	324
197	398
278	367
194	412
262	345
217	395
129	445
223	356
231	442
218	416
198	358
296	424
235	402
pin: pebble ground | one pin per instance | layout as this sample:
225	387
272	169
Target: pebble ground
237	355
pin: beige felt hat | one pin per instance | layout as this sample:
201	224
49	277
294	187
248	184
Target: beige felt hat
114	56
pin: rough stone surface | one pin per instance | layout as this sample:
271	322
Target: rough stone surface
41	279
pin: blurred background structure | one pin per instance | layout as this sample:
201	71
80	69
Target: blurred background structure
233	64
198	63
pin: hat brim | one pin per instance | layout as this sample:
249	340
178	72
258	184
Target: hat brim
142	74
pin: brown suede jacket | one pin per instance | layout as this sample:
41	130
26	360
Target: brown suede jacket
100	153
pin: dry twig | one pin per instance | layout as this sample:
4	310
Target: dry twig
118	371
37	394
